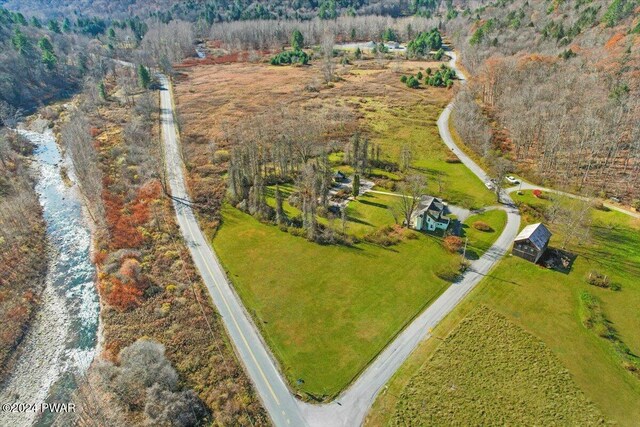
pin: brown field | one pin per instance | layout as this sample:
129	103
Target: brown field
213	97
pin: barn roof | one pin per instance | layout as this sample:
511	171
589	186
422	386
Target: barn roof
537	234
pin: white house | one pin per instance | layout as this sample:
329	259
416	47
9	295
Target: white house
430	215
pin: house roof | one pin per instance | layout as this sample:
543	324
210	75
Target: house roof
431	205
537	234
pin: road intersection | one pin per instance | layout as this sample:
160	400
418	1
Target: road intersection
351	407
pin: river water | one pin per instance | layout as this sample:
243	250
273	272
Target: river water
62	339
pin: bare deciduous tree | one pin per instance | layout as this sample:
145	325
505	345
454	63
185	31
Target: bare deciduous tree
411	190
75	134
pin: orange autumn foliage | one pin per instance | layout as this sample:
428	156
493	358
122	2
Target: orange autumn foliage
131	268
613	41
122	295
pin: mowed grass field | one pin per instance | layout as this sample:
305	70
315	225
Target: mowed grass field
326	311
480	241
489	371
546	304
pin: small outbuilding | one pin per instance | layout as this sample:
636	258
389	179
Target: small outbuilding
532	242
339	177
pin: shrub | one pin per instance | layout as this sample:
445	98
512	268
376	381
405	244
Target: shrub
221	156
403	79
452	158
453	243
297	231
600	280
290	57
636	203
385	236
482	226
412	82
600	206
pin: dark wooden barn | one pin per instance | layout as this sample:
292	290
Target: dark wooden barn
532	242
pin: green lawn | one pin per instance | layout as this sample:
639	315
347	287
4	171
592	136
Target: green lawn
365	215
480	241
489	371
326	311
416	126
369	212
546	304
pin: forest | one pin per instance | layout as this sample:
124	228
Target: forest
210	11
555	91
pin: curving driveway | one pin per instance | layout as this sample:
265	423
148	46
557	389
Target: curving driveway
351	407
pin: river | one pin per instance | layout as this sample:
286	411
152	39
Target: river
63	336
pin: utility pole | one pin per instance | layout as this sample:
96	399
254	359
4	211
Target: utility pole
464	252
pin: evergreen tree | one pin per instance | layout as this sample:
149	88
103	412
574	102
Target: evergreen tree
54	26
356	185
358	53
328	10
45	44
389	35
424	43
144	78
20	42
102	91
36	22
49	58
20	19
297	40
66	25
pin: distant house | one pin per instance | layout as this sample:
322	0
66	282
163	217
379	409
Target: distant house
339	177
532	242
430	215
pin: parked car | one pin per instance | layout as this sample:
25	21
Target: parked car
513	180
489	185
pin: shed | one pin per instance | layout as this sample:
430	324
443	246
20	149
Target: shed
532	242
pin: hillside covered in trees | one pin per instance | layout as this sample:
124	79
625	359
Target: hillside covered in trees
555	89
227	10
42	60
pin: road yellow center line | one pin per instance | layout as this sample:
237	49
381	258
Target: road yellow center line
244	339
224	299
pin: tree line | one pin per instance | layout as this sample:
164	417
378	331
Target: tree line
270	35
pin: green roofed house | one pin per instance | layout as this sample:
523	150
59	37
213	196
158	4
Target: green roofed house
430	215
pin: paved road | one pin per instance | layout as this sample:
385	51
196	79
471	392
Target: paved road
528	186
351	407
271	388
